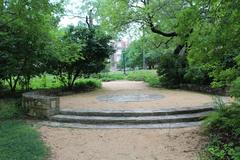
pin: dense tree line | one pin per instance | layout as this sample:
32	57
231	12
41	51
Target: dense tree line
32	44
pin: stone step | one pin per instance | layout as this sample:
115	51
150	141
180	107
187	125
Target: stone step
130	120
135	113
121	126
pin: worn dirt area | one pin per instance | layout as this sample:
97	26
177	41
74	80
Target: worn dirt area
123	144
172	98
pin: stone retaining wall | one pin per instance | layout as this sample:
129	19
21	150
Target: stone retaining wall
40	105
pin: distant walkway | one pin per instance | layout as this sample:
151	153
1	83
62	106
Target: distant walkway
123	95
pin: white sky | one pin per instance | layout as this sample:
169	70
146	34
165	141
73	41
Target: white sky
72	8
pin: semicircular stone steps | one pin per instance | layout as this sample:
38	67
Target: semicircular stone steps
161	118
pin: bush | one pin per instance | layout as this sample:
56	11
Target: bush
110	76
87	84
19	141
171	70
224	78
149	76
9	109
197	75
235	88
223	129
45	81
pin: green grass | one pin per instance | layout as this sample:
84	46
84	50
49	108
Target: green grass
149	76
9	109
45	82
110	76
88	84
19	141
49	81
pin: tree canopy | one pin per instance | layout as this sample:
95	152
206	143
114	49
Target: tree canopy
204	33
25	33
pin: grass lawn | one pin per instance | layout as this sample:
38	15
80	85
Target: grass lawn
149	76
18	141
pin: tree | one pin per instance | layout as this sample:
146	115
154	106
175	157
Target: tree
161	17
25	33
215	42
204	34
83	50
147	49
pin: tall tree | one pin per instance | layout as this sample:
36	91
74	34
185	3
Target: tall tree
83	50
25	33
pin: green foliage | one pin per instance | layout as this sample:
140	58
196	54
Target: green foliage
223	128
83	51
214	42
235	89
20	141
148	76
171	70
110	76
87	84
141	50
223	78
45	81
10	109
25	34
197	75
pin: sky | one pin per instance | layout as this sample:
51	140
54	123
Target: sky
72	8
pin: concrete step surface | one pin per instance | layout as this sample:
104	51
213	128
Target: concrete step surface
121	126
130	120
136	112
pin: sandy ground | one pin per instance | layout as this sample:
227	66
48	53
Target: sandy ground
172	98
123	144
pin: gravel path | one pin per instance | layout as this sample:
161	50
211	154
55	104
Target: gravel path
123	144
171	98
126	144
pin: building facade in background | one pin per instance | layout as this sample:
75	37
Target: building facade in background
119	46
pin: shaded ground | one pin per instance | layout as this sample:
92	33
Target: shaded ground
123	144
172	98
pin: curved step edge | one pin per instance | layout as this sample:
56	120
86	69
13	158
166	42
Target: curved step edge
135	113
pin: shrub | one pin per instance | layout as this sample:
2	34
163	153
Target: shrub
87	84
223	78
223	129
45	81
171	70
9	109
148	76
110	76
235	88
198	75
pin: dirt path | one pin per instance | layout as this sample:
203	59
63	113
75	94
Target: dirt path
123	144
126	144
172	98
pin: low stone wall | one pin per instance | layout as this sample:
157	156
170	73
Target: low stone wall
39	104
